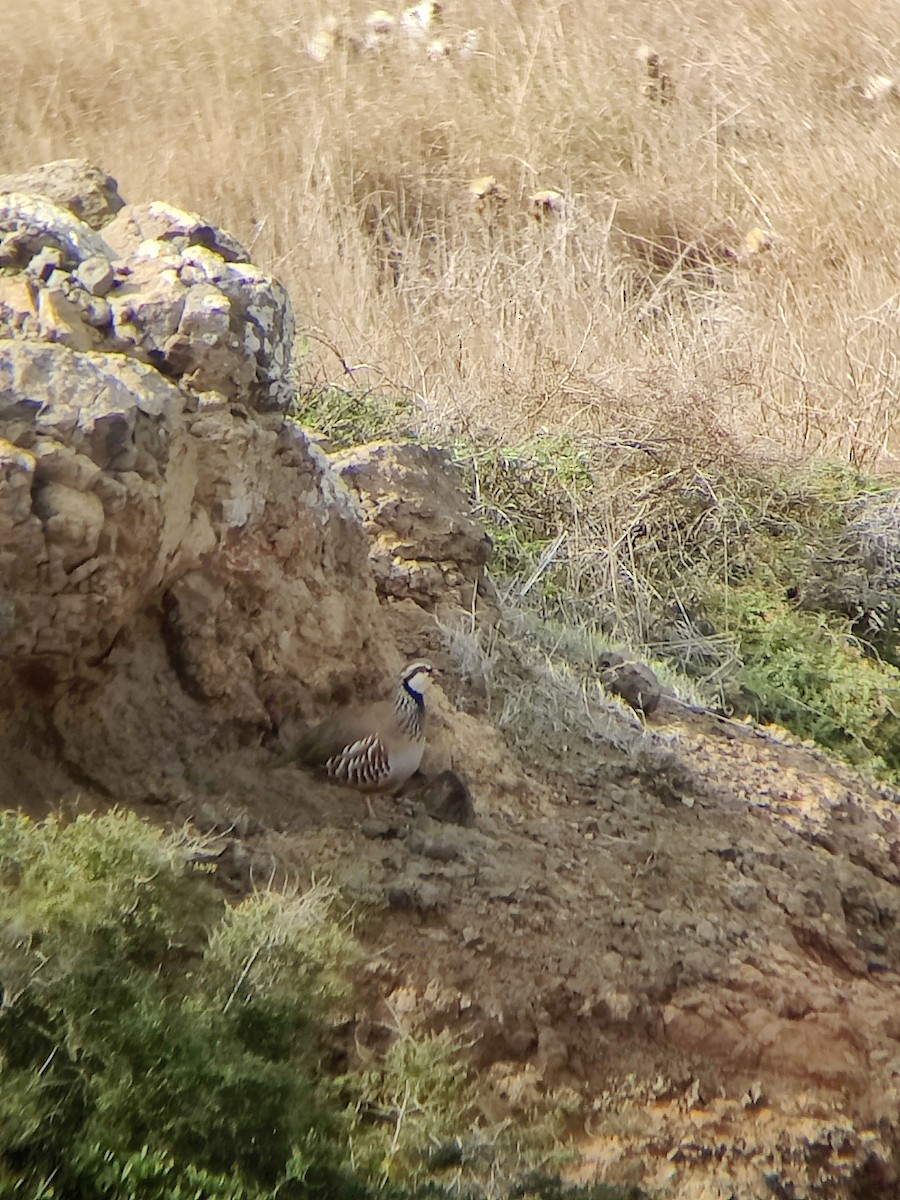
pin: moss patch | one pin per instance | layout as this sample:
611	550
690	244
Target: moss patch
353	416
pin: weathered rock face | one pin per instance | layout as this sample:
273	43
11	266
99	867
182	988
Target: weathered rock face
87	436
130	486
137	525
74	184
165	289
424	542
169	560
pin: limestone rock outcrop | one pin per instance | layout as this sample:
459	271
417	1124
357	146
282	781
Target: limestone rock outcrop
160	286
170	560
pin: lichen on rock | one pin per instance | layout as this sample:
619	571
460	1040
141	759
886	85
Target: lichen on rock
170	558
160	285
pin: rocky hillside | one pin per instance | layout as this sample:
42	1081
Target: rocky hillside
684	934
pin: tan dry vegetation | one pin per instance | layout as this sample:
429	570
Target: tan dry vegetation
731	251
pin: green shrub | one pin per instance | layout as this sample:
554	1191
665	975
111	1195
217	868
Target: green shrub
157	1043
412	1100
145	1026
805	671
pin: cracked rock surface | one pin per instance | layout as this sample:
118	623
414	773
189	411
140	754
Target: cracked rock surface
158	285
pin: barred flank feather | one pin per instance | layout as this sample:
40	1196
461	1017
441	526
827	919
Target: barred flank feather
365	764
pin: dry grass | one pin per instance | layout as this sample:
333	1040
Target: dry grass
629	304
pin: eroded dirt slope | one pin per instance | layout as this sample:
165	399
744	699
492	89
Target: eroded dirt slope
697	950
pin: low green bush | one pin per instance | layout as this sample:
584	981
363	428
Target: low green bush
151	1038
807	672
410	1101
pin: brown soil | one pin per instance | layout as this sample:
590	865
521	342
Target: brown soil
699	949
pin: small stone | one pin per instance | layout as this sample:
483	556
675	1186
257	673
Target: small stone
60	280
96	312
440	851
633	682
414	897
61	320
47	260
96	275
73	521
446	797
375	829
